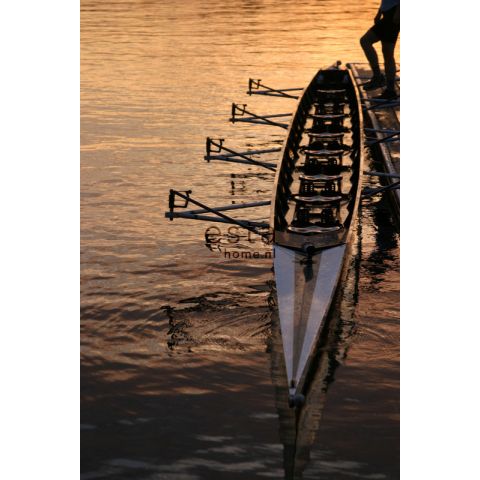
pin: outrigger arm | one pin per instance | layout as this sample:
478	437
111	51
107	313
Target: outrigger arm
260	228
216	146
378	103
370	192
390	136
254	87
241	114
381	174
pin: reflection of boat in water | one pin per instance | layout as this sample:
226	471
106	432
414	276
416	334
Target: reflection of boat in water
299	426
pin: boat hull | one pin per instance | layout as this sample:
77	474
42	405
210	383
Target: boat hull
305	289
314	204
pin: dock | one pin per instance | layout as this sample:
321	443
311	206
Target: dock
382	122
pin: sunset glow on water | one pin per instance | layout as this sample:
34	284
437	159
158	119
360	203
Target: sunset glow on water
176	374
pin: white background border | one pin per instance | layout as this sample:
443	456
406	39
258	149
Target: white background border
40	44
40	239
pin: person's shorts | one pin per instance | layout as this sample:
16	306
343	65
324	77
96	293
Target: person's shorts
386	30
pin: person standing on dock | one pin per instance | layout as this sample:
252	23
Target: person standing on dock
386	30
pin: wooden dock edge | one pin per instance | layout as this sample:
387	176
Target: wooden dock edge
380	150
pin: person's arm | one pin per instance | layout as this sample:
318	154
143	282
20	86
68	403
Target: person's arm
378	16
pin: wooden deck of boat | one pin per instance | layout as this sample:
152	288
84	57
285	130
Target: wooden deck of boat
381	118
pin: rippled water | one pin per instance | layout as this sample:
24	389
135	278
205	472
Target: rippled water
176	339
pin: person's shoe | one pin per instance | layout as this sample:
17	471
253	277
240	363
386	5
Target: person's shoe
374	82
387	95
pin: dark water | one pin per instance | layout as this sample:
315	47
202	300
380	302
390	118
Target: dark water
180	368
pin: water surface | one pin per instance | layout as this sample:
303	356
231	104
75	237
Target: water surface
176	339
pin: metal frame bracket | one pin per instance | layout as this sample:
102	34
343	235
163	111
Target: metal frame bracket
229	155
216	213
240	110
254	87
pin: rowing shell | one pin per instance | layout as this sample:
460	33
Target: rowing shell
315	200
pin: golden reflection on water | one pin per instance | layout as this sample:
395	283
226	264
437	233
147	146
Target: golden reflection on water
157	77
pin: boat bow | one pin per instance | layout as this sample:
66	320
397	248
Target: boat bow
305	288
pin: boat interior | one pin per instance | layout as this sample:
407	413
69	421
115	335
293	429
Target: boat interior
317	184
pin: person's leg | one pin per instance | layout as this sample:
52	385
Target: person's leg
388	49
367	42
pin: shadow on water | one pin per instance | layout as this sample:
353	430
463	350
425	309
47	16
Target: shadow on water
190	403
160	419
